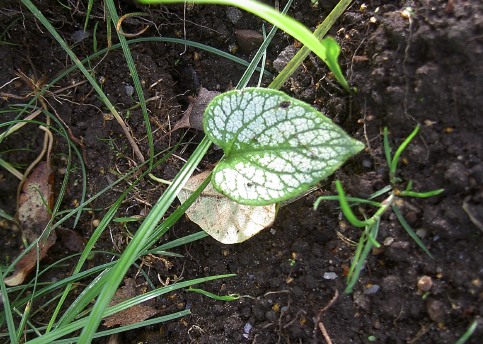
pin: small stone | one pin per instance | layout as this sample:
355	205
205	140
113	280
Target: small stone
367	163
247	328
422	232
457	175
425	283
284	57
330	275
388	241
391	283
129	90
436	310
233	14
248	40
372	289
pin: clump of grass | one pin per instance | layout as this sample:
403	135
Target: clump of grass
368	239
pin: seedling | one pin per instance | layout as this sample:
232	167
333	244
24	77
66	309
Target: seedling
371	224
276	149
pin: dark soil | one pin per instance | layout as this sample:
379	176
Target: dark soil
426	70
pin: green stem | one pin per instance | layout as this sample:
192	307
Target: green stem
346	209
397	155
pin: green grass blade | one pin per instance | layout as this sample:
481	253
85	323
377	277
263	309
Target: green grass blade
260	53
135	77
380	192
84	71
160	291
231	297
10	169
421	194
346	209
102	52
70	314
397	155
363	248
387	148
4	215
51	287
468	333
138	242
354	200
177	242
8	312
320	32
88	13
409	230
23	320
264	59
284	22
144	323
176	215
82	323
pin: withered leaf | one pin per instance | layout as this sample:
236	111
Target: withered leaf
133	314
33	215
222	218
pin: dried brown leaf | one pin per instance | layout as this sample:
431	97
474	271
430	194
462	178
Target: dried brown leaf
33	214
133	314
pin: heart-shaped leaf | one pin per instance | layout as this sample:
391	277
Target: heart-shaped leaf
276	147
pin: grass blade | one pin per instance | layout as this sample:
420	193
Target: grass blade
135	77
284	22
84	71
320	32
409	230
138	242
8	312
363	249
397	155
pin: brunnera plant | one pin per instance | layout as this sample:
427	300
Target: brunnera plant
276	147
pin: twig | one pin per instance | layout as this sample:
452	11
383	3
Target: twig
318	323
324	333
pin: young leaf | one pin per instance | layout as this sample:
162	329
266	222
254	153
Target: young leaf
276	147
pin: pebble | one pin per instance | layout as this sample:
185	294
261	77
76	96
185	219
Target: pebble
422	232
129	90
247	328
284	57
388	241
248	40
436	310
330	275
425	283
233	14
457	176
372	289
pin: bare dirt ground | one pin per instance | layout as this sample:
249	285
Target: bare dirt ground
426	68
